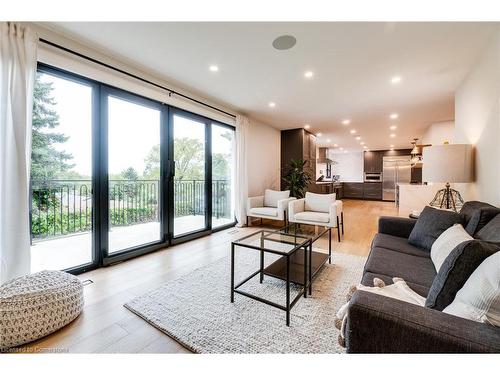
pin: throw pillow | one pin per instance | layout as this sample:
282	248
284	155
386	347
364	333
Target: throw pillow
271	197
491	231
446	242
430	224
455	271
477	214
479	299
319	202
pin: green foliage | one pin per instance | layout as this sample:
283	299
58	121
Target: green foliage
129	174
220	167
46	161
49	223
152	162
296	178
189	156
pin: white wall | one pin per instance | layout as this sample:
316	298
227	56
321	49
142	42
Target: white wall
349	166
263	158
477	118
439	132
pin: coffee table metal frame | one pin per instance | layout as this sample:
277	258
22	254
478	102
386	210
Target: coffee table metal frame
301	242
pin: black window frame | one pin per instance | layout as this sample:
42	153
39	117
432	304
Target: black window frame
100	193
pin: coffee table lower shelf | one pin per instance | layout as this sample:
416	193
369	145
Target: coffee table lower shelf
278	268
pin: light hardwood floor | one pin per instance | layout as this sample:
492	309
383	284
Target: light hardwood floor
105	326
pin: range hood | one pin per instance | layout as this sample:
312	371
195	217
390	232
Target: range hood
323	156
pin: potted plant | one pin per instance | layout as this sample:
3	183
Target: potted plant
296	178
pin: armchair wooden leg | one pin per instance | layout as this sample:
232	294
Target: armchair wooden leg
260	221
248	221
338	228
330	246
342	219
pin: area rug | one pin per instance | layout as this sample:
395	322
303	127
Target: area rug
196	311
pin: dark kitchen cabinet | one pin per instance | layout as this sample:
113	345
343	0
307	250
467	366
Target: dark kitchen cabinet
353	190
373	161
312	147
372	190
298	144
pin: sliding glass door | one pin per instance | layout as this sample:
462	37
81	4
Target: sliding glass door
223	153
202	184
115	175
61	199
134	137
190	174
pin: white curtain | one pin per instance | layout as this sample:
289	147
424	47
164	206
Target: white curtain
18	47
241	188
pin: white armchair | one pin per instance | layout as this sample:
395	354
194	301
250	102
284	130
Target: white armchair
272	205
317	209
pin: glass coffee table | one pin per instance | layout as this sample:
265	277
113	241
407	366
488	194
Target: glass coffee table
297	262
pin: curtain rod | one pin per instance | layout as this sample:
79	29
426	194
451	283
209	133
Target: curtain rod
170	91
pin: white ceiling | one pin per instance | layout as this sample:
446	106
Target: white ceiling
352	64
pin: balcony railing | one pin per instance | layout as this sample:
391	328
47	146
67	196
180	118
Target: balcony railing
63	207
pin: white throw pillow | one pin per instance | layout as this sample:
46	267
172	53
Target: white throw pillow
271	197
446	242
479	298
318	202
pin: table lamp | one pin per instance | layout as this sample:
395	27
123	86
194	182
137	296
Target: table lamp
449	164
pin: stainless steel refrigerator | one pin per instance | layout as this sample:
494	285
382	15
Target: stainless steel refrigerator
396	170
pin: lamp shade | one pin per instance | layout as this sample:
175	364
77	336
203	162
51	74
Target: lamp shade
447	163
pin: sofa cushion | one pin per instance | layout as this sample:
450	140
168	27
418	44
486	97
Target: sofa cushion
400	244
479	299
477	214
491	231
271	197
319	202
263	211
367	280
319	217
430	224
446	242
411	268
455	271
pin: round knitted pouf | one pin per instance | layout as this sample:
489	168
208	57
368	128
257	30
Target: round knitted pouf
36	305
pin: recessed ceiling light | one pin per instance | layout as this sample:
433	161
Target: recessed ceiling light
362	143
394	116
308	74
393	135
335	145
319	134
328	140
395	80
272	104
358	138
307	126
346	121
392	146
365	147
341	148
393	127
213	68
353	131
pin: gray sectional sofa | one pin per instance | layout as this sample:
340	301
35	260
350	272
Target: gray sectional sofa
378	324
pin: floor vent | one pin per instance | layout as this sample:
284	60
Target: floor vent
87	282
